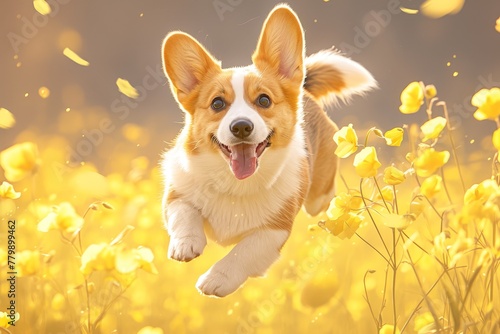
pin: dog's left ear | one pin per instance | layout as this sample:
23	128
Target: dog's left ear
281	45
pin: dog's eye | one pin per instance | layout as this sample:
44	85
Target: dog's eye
218	104
264	101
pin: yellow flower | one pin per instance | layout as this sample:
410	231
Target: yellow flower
128	261
346	140
112	257
496	142
459	247
431	186
98	257
412	98
319	290
439	248
482	192
432	128
393	176
344	203
481	201
497	26
394	137
27	262
430	91
424	323
487	103
58	302
389	329
19	161
7	191
345	226
366	162
416	207
387	194
150	330
63	217
429	161
6	320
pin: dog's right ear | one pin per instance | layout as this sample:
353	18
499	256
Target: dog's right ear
186	64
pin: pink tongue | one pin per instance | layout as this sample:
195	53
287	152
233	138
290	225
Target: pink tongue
243	160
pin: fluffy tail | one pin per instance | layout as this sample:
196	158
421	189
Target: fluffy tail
331	76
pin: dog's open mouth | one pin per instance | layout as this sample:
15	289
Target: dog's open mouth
244	157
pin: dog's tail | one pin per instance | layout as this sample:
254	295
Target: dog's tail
331	77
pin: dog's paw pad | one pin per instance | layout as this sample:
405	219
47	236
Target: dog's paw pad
187	248
218	284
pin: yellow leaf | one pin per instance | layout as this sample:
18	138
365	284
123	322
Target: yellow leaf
7	120
126	88
408	10
439	8
7	191
74	57
42	7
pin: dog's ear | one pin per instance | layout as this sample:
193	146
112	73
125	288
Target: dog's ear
281	45
186	64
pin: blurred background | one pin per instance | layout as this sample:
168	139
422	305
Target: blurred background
98	144
457	53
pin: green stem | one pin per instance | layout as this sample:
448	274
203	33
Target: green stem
448	127
371	217
89	323
373	247
377	324
395	199
394	272
446	187
492	274
380	193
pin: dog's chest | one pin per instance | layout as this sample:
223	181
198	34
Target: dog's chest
229	216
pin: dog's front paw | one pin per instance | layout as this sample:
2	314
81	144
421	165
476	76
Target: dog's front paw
219	283
187	248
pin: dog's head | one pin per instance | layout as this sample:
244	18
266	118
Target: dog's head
240	113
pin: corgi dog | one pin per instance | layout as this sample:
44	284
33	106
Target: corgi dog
256	146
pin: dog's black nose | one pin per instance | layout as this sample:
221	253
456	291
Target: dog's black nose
241	128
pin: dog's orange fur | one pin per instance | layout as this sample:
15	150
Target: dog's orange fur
297	169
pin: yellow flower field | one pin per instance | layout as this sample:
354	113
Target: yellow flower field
409	244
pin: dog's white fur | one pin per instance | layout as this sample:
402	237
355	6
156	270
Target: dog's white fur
203	196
